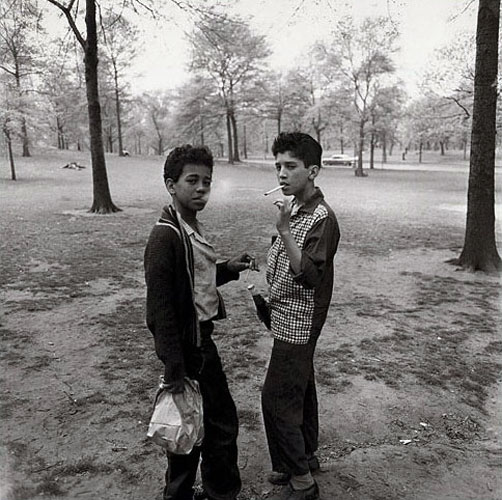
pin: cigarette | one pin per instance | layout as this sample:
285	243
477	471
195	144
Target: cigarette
272	190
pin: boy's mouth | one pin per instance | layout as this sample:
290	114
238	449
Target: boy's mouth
199	200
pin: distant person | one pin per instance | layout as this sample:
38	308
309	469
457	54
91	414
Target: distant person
300	279
182	302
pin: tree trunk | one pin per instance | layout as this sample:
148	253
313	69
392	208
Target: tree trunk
201	129
372	151
318	134
358	172
245	143
24	128
480	249
265	140
420	149
384	148
233	121
9	153
229	138
59	133
117	108
26	142
102	202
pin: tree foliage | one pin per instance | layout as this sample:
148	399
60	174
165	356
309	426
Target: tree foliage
226	50
19	56
362	57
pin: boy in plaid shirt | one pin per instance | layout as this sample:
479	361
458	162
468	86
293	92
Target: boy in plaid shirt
300	279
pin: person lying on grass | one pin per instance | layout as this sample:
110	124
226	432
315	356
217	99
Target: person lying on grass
182	303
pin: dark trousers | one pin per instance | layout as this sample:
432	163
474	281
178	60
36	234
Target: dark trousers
219	470
289	404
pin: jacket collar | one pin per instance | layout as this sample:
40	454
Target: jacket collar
309	205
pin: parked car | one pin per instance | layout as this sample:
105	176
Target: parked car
340	159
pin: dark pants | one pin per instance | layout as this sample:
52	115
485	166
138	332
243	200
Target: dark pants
289	404
219	470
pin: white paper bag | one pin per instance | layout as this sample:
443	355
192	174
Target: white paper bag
177	419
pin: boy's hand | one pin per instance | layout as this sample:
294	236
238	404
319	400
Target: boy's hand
174	387
284	215
241	263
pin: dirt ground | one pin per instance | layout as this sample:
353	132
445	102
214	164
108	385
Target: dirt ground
408	365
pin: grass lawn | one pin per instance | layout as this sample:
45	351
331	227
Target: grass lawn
408	365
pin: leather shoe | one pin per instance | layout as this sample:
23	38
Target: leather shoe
279	478
288	493
282	478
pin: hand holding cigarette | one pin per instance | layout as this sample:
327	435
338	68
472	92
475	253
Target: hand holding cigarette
272	190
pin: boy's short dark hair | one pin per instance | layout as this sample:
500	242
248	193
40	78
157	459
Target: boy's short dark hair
182	155
301	145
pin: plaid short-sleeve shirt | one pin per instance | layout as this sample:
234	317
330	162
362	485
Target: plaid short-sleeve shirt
299	303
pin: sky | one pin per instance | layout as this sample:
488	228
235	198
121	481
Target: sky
292	25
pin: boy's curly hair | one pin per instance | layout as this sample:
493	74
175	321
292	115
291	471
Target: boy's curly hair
182	155
300	145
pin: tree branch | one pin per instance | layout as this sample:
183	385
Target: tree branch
457	102
67	12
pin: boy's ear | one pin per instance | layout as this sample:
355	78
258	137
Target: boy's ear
313	171
170	186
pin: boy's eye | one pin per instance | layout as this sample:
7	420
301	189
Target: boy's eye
207	183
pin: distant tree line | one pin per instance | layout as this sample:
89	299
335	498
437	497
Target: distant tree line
345	92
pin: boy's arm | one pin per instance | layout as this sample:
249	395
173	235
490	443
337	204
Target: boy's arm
318	251
162	320
292	249
308	264
229	270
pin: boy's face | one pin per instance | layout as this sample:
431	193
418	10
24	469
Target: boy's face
292	174
191	191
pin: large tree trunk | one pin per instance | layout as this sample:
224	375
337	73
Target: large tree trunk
102	200
480	249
